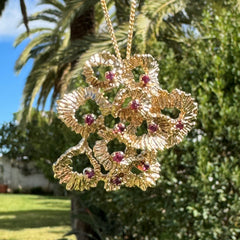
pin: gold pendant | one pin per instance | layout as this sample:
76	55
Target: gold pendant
137	165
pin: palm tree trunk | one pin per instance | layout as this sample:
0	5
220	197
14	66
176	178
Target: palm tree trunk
81	230
81	26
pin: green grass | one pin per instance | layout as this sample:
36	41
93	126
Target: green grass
33	217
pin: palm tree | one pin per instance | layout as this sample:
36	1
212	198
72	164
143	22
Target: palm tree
3	4
46	72
50	70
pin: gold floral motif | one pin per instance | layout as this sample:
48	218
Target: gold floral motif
103	59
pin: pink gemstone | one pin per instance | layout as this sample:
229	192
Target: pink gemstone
145	79
118	157
143	167
180	125
89	119
153	127
135	105
89	172
109	75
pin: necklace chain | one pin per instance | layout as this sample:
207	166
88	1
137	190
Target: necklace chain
111	31
130	30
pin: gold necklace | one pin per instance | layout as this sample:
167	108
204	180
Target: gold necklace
137	164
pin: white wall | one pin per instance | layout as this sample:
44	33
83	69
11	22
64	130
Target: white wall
13	177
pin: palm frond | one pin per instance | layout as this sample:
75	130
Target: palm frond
151	17
47	75
46	87
55	3
43	17
33	84
24	14
122	11
40	39
76	48
51	11
99	15
143	24
25	35
2	6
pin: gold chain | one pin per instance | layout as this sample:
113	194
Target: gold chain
130	30
111	31
110	28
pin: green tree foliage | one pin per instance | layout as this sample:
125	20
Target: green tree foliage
36	143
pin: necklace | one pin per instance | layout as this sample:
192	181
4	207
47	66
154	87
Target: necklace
135	103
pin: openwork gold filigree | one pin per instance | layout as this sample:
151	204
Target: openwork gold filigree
137	165
136	102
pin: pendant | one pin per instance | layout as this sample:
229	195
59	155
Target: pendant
135	103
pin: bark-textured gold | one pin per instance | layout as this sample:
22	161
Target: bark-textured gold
136	102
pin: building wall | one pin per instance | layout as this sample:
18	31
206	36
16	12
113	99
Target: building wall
13	177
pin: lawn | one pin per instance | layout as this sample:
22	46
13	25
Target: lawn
33	217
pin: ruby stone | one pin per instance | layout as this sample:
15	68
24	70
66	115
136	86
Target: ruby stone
110	75
180	125
89	173
119	128
145	79
135	105
153	127
116	181
118	157
89	119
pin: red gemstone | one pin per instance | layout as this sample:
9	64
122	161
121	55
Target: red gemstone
119	128
116	180
109	75
135	105
118	157
180	125
89	172
145	79
153	127
89	119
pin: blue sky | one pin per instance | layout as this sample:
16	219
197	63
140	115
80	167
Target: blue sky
12	84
